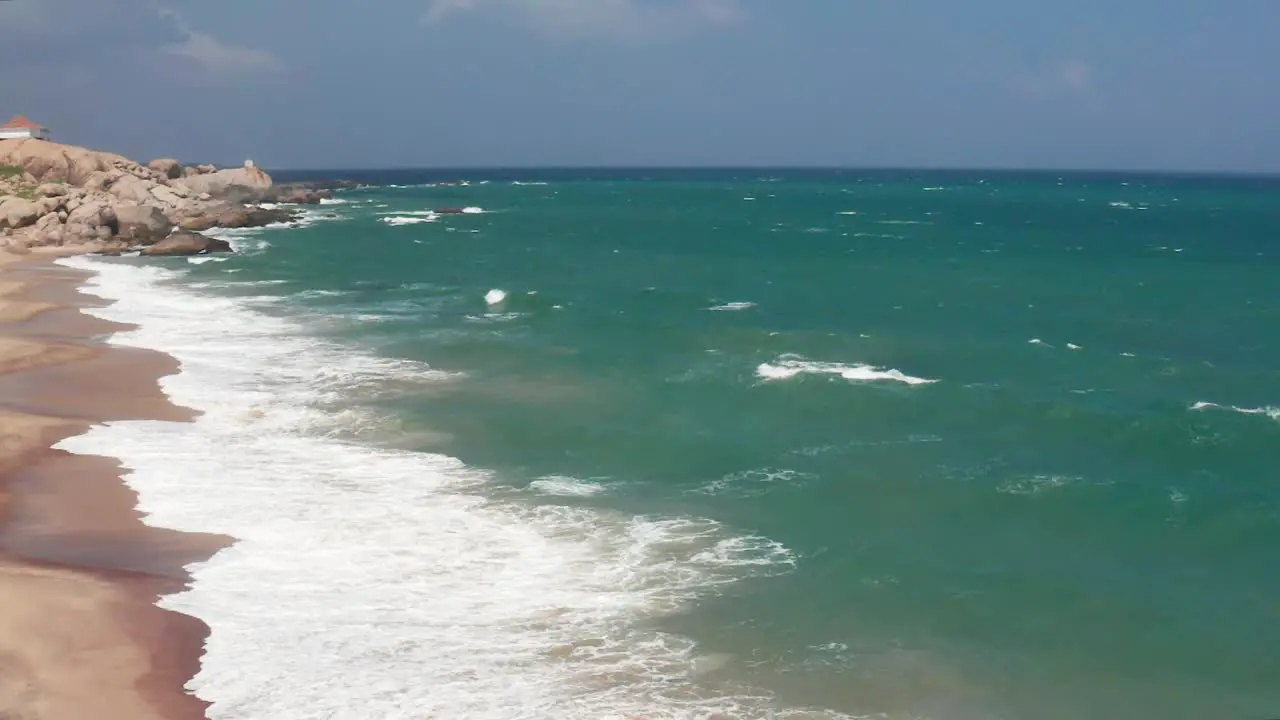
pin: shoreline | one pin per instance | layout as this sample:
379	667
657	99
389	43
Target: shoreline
80	572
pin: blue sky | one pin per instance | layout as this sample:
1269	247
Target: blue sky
1191	85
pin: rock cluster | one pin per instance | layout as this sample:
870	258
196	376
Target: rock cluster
81	200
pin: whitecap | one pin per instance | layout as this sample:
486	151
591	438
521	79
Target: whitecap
397	220
789	366
566	486
1270	411
732	306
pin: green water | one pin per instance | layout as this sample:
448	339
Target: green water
1051	529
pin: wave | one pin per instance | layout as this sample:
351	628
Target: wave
406	219
566	486
1267	410
732	306
377	582
790	366
755	482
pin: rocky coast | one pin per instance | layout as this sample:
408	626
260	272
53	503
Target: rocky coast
63	199
81	635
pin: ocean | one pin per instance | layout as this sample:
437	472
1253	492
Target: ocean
727	444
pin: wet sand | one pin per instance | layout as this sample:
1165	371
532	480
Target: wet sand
80	634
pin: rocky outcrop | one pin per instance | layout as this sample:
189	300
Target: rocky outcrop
53	162
247	217
297	194
187	243
84	200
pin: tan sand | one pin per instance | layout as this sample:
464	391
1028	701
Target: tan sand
80	635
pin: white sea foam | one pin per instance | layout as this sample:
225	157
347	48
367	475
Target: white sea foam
333	201
732	306
417	213
397	220
1034	484
1267	410
377	583
566	486
789	366
755	482
495	296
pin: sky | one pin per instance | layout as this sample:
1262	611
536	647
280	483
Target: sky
1190	85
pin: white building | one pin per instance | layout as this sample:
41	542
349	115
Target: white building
21	127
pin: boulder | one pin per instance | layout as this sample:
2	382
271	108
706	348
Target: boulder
205	169
133	189
98	181
48	205
16	212
187	243
94	213
141	224
48	231
168	167
166	195
53	190
246	184
198	223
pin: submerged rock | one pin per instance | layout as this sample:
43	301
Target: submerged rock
187	243
249	217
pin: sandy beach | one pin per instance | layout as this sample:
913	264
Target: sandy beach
80	634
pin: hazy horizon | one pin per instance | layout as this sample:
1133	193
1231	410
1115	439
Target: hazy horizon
805	168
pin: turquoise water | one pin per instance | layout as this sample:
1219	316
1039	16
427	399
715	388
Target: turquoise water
1063	503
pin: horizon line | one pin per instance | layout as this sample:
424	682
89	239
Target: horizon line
827	168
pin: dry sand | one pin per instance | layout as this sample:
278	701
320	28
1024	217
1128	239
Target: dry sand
80	635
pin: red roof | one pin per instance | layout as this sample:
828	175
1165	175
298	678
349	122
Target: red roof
21	121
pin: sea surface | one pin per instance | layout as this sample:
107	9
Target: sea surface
728	444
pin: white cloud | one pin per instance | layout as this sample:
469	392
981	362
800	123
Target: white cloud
617	18
221	58
213	55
